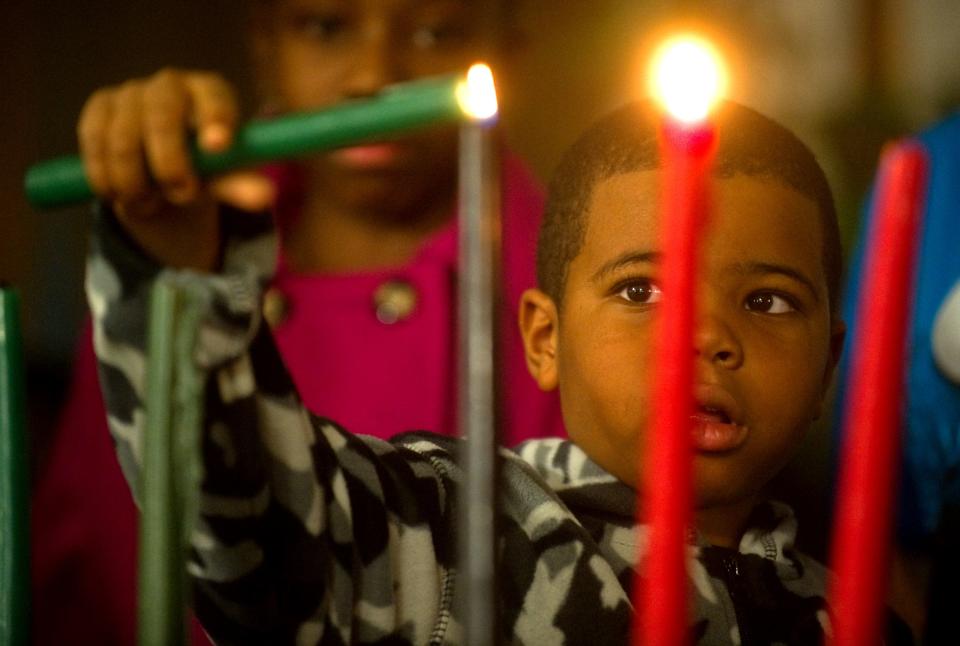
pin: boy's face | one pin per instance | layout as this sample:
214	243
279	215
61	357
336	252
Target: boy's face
315	53
765	344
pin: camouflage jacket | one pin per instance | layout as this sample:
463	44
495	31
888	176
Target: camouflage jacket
309	534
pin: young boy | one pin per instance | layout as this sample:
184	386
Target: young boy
311	534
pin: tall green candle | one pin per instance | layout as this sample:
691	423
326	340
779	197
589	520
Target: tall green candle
169	487
401	107
14	519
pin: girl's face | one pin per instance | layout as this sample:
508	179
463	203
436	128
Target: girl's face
319	52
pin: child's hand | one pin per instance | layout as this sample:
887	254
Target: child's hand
135	150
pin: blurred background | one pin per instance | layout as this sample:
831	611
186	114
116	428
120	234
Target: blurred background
847	75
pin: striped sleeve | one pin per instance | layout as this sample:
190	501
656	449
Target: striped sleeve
307	533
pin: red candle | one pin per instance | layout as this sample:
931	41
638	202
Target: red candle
872	417
688	78
668	468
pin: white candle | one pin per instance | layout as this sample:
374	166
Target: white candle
479	260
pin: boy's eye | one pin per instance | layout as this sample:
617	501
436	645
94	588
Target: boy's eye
641	292
769	303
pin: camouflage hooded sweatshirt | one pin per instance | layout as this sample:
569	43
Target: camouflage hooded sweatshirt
309	534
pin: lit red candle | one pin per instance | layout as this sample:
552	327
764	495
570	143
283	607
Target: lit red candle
874	406
689	80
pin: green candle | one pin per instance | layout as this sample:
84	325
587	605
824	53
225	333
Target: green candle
169	487
14	518
405	106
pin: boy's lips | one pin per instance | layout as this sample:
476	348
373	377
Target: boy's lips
711	436
717	423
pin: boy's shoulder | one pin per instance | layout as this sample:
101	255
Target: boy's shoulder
558	463
542	477
561	510
776	592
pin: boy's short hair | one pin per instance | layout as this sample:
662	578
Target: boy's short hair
627	140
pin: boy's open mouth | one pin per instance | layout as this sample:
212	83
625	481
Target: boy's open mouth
713	433
710	413
717	426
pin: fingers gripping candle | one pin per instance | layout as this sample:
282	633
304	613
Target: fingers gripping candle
400	107
688	79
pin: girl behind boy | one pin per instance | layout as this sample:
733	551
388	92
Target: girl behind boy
362	303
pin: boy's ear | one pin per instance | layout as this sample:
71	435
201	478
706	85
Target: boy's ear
838	333
540	329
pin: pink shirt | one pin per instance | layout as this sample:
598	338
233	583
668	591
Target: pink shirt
381	378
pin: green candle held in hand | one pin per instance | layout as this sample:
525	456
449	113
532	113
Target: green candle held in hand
398	108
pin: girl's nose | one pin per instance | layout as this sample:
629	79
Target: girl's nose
378	63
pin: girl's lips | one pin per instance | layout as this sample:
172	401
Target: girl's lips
378	155
713	435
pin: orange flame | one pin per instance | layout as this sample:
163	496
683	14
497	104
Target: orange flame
477	95
688	77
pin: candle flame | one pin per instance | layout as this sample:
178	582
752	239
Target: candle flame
688	77
477	95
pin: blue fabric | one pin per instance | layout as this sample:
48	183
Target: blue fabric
931	455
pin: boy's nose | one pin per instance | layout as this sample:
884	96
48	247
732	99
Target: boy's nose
377	64
717	343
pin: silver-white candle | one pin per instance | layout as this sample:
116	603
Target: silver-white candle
479	213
